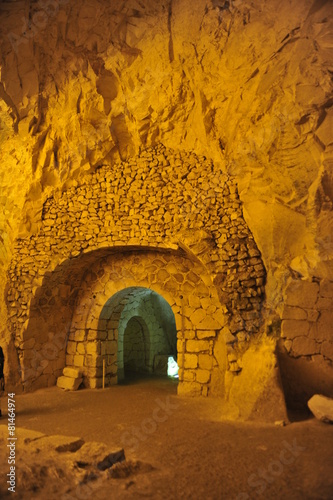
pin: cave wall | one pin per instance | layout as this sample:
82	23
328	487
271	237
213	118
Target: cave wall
248	85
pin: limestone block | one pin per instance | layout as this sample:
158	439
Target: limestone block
112	334
326	288
69	383
111	347
189	389
29	354
205	361
202	376
198	345
294	328
112	369
209	323
180	346
322	408
188	334
72	372
93	347
327	349
77	335
80	348
190	361
102	334
78	360
324	303
188	375
323	328
302	293
304	346
205	334
197	316
312	315
194	301
293	313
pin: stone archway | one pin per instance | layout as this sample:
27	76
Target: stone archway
159	201
113	285
139	325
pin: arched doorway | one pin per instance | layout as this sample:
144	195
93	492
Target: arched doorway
178	309
143	324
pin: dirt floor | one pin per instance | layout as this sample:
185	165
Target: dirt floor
175	448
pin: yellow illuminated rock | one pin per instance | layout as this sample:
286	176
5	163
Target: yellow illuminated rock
200	129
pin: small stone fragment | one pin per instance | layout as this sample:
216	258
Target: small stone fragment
322	408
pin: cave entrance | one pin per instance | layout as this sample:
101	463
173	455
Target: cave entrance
141	325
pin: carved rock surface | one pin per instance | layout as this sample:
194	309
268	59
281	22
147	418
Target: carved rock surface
247	84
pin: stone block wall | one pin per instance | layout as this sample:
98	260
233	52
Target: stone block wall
306	348
307	325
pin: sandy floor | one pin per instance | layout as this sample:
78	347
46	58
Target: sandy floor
176	448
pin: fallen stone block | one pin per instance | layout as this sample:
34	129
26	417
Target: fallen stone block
69	383
322	408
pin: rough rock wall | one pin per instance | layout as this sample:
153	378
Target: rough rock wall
248	84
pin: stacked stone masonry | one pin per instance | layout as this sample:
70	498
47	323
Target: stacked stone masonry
96	321
162	199
307	325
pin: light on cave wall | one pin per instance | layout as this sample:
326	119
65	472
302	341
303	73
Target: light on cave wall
172	367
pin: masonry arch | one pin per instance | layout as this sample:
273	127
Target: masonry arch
161	201
157	287
139	328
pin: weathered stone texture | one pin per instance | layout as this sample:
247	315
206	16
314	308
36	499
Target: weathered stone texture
307	317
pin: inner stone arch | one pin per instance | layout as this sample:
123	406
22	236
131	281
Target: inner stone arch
143	324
